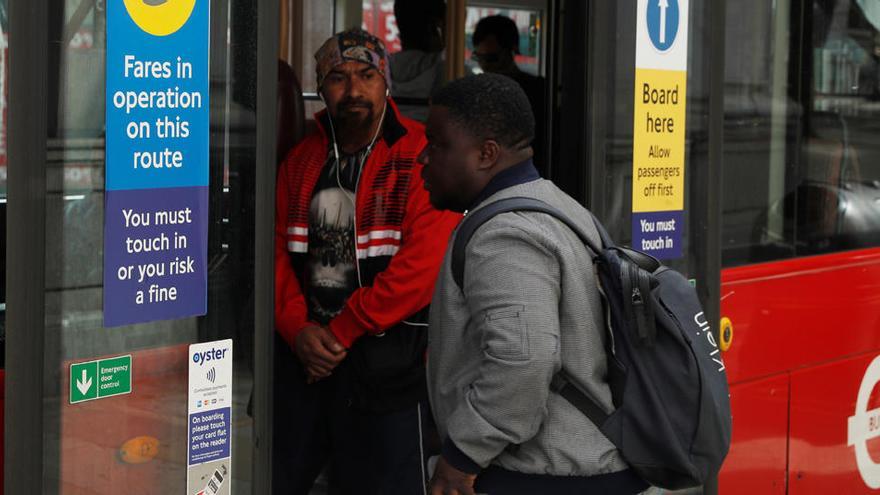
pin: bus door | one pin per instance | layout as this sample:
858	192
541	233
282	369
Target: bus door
140	175
633	120
636	120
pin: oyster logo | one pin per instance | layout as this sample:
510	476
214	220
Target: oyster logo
865	425
160	17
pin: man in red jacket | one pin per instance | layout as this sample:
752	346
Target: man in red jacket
357	250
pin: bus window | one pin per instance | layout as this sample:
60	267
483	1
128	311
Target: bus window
802	174
378	18
317	25
529	57
413	32
508	40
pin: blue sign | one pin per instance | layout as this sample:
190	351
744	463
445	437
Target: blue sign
156	179
663	19
658	233
209	435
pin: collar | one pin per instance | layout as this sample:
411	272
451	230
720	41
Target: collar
392	130
520	173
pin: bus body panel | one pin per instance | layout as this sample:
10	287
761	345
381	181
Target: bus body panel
756	463
823	399
805	332
801	312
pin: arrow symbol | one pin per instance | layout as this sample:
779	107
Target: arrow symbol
664	4
85	384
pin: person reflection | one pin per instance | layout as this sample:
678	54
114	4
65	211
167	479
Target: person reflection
496	43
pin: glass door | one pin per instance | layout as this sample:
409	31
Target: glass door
652	164
148	292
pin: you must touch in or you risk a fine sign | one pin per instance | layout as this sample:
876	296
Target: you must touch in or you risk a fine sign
156	204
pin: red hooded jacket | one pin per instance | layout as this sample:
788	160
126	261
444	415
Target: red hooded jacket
400	238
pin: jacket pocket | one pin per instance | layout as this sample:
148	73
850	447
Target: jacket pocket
505	334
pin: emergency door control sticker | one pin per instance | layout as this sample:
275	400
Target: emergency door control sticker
100	378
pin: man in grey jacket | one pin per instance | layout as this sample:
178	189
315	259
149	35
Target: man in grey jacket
529	305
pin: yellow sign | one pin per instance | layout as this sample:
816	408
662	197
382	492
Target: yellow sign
160	17
660	97
658	140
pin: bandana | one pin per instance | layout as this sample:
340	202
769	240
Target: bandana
353	44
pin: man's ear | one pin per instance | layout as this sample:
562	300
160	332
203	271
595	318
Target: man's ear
490	152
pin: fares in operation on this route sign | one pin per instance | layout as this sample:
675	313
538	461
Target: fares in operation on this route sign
156	201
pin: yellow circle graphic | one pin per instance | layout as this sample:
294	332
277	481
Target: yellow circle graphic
160	17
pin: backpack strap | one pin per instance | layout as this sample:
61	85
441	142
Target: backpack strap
474	220
578	398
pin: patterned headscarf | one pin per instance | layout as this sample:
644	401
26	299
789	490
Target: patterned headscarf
352	44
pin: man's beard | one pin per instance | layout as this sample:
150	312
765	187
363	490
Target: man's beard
355	121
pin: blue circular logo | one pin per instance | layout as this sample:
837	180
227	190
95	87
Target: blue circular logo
663	18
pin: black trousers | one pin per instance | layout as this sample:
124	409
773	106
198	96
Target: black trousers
497	481
366	453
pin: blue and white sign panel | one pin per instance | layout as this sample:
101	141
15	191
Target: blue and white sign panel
662	21
157	130
209	417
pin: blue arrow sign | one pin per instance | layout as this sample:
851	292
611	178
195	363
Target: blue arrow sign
663	20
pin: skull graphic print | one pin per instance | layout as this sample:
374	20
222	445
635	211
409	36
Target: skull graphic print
331	271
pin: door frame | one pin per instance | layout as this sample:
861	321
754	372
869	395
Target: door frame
26	245
268	32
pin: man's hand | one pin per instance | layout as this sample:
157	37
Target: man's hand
450	481
318	351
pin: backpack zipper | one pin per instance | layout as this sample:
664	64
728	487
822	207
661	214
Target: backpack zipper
643	312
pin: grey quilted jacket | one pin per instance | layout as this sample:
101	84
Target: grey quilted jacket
530	304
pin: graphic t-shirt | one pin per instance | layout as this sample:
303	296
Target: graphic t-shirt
331	273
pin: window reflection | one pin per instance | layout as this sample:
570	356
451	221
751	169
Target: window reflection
802	158
528	23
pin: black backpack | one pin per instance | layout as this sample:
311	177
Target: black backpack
671	420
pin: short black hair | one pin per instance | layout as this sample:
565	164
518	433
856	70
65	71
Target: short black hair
502	28
416	20
489	106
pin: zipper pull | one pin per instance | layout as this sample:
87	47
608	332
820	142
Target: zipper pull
637	296
643	327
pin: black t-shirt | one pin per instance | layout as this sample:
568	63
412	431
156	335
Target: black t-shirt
331	270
